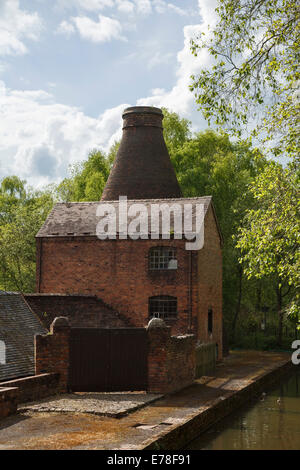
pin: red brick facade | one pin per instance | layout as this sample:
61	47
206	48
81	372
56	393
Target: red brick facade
8	401
52	352
171	359
34	387
117	272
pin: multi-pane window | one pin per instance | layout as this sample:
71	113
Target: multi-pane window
162	257
163	306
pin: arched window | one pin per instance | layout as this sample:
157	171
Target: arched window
2	353
162	257
163	306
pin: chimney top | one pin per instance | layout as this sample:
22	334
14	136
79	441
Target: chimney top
142	110
142	168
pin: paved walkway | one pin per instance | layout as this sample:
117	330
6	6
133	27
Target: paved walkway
31	430
114	405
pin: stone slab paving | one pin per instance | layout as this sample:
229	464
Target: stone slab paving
102	404
137	430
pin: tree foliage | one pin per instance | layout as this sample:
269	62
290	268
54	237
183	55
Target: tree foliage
254	76
87	179
210	164
176	130
270	238
22	213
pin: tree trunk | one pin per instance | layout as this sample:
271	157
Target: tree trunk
280	314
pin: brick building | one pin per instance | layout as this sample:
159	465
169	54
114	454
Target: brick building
118	282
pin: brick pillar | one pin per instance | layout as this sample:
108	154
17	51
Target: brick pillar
158	336
171	359
52	351
8	401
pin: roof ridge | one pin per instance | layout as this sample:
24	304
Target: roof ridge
138	200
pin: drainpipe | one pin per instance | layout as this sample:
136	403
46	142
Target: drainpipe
190	293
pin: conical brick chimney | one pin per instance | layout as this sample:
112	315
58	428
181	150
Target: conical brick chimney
142	168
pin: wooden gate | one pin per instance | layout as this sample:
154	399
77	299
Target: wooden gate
106	360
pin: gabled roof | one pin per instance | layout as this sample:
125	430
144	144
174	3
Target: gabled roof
18	325
80	219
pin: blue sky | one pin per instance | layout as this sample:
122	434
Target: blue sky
69	67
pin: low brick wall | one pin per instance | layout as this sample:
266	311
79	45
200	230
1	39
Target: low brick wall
171	359
52	352
34	387
8	401
205	358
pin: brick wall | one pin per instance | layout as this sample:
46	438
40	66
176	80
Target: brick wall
171	359
205	359
81	310
8	401
52	351
34	387
209	283
117	272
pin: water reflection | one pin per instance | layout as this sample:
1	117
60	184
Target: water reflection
272	422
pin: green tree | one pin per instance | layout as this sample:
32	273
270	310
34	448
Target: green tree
87	179
210	164
22	213
254	48
113	152
269	240
176	130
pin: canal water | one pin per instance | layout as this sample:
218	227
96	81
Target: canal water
269	423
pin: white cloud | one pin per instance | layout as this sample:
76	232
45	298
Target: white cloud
40	138
157	91
143	6
104	30
125	6
65	28
87	5
15	26
159	58
179	98
161	6
176	9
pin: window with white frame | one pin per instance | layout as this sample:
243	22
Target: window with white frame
163	306
162	257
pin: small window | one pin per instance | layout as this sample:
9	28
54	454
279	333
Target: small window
162	257
163	306
2	353
210	321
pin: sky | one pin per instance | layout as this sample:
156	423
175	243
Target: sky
68	68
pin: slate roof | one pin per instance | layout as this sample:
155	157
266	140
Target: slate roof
80	219
18	325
